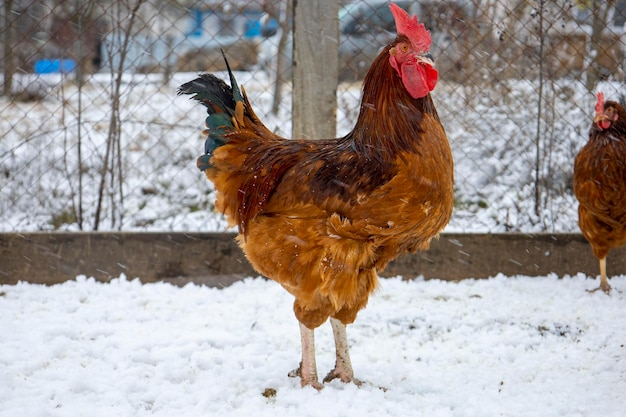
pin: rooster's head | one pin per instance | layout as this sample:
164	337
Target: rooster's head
410	55
606	113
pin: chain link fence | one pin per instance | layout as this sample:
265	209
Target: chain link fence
94	137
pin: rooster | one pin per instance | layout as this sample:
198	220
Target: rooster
600	183
323	217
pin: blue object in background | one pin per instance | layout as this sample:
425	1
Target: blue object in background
51	66
197	15
270	28
252	28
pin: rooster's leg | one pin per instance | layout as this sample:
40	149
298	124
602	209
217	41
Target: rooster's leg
343	365
604	283
308	368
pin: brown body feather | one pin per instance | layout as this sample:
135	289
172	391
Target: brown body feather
322	217
600	185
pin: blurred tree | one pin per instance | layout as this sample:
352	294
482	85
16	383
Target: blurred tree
281	11
600	11
10	65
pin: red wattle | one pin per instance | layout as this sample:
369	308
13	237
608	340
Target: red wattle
418	79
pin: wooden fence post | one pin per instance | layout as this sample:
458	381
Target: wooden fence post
315	68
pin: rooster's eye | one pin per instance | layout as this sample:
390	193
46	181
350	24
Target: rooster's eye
404	47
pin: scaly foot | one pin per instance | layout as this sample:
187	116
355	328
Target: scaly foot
307	380
604	282
343	365
307	371
604	286
343	377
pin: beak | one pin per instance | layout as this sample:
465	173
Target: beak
425	58
603	121
599	118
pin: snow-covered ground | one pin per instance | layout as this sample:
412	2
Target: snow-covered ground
493	130
505	346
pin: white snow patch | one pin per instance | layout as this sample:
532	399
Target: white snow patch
505	346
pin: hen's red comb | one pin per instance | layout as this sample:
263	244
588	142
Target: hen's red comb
600	102
411	28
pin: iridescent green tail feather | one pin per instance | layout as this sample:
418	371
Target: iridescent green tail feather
221	101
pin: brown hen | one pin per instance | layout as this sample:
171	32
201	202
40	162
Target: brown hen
600	183
323	217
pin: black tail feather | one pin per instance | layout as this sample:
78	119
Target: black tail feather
221	101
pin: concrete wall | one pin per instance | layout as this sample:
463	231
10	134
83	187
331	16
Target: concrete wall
214	259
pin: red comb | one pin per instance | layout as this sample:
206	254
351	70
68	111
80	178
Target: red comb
600	102
411	28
